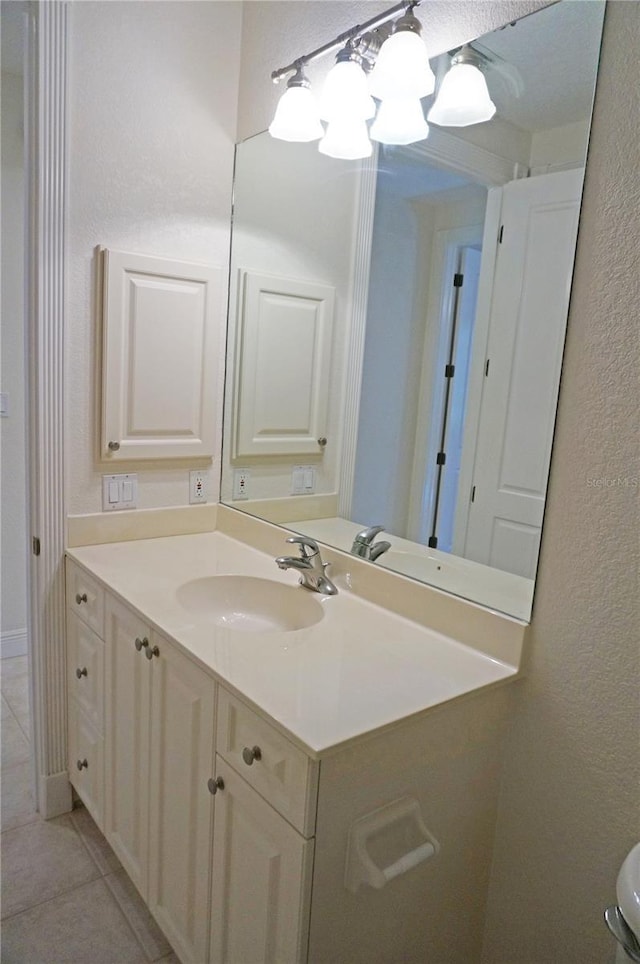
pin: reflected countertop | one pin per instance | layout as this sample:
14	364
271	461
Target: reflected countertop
359	669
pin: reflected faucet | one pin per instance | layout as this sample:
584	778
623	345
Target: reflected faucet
310	566
365	547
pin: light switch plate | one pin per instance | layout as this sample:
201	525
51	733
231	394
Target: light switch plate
303	480
119	492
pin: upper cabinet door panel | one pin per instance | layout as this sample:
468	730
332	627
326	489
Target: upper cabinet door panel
161	359
283	366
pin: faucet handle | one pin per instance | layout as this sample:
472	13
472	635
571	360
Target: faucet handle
305	544
368	535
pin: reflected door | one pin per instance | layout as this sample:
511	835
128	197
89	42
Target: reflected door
522	370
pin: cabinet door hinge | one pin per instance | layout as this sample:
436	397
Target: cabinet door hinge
433	542
473	494
441	458
35	546
449	371
457	280
500	234
486	368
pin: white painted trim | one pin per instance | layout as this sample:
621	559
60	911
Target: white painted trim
101	527
46	152
457	154
13	643
360	268
54	794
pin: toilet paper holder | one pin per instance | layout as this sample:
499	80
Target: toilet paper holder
386	843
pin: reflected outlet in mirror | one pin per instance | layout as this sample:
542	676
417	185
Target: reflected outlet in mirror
396	325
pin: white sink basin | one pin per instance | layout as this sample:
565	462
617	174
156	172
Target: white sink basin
249	604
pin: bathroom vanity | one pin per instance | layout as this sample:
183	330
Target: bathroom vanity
313	780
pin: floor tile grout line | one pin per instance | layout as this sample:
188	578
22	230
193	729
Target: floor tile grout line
71	890
41	903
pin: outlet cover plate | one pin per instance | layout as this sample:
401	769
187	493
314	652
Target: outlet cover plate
198	486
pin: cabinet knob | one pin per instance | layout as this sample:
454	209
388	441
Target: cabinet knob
251	753
151	651
140	643
322	441
215	785
81	598
113	446
82	764
81	672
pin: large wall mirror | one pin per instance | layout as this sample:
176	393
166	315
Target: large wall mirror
396	325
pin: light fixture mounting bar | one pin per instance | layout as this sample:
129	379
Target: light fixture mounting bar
354	32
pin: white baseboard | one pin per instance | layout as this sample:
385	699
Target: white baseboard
13	643
54	795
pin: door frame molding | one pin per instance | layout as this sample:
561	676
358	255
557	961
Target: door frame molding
46	73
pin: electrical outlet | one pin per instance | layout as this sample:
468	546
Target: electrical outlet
241	483
198	486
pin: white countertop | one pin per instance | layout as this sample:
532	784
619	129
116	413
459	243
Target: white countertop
359	669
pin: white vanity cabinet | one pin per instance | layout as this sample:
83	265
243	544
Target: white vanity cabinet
250	849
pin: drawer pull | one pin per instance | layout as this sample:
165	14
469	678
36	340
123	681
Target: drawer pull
82	764
81	672
249	754
81	598
140	643
113	446
150	652
215	785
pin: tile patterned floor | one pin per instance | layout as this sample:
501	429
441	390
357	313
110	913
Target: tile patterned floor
65	897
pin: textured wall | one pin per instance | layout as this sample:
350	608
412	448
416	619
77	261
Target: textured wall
570	800
12	429
153	91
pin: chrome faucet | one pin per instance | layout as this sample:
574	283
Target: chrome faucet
365	547
310	566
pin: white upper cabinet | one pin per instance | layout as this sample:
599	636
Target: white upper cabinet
283	366
161	362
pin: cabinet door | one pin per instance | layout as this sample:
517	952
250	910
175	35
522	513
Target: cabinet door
128	679
261	879
161	365
180	804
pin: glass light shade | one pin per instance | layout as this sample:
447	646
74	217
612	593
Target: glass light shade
296	117
345	94
346	140
402	68
463	98
399	122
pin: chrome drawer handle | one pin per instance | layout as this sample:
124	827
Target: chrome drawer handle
150	652
82	764
140	643
81	598
81	672
249	754
215	785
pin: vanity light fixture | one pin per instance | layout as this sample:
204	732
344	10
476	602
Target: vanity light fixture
296	117
400	75
402	67
463	98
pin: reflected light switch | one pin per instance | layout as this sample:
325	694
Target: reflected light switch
303	480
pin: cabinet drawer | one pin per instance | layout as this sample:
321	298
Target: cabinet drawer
85	597
281	772
86	762
85	669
